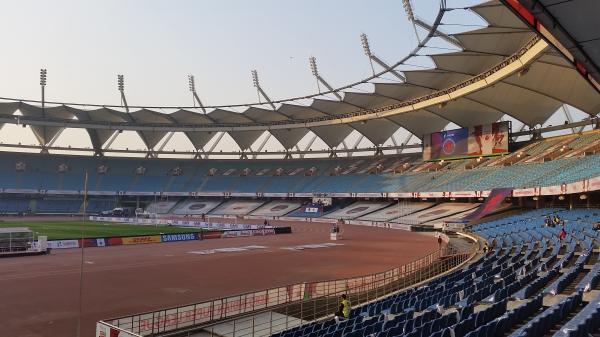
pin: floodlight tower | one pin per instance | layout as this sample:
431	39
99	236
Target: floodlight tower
418	22
312	61
364	40
43	74
195	97
259	89
121	87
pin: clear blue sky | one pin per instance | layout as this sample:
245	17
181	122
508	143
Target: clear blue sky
155	44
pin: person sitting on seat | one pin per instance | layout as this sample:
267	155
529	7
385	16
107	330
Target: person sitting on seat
343	310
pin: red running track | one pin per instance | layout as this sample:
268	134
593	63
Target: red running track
40	294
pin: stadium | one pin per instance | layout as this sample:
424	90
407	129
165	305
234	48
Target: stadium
451	192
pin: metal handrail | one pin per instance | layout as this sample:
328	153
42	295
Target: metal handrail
198	315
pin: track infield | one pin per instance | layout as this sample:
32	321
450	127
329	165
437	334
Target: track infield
42	292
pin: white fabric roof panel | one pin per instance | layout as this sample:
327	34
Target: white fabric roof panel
466	112
198	139
401	91
190	117
45	134
8	109
226	116
299	112
332	135
496	14
369	101
527	106
377	130
333	107
264	115
465	62
577	18
245	138
420	122
151	138
433	78
491	40
289	137
561	83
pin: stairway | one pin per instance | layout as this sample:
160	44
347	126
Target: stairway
524	322
562	322
570	288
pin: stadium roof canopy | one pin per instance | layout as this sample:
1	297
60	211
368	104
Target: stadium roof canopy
569	26
502	71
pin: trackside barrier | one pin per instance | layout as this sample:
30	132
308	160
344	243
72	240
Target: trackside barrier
106	330
164	238
304	301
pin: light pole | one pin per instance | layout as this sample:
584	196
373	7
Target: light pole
121	87
195	98
43	76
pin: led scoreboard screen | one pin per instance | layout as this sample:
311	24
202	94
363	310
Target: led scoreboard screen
475	141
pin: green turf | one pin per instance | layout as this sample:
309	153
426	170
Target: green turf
61	230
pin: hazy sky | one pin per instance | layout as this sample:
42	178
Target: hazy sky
156	44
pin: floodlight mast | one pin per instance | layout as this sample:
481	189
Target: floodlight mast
43	78
364	40
121	87
195	98
259	89
313	68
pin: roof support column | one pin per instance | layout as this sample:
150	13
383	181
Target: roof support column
356	144
262	145
310	143
212	147
112	139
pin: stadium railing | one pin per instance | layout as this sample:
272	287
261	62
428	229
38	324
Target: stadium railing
288	306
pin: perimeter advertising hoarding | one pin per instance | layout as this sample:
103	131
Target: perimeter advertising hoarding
475	141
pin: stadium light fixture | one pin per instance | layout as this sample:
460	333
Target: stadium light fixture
121	87
43	77
121	82
408	9
255	78
312	61
191	83
195	98
259	91
364	40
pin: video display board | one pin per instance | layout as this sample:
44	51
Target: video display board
475	141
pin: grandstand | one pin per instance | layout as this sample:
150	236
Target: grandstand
498	133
